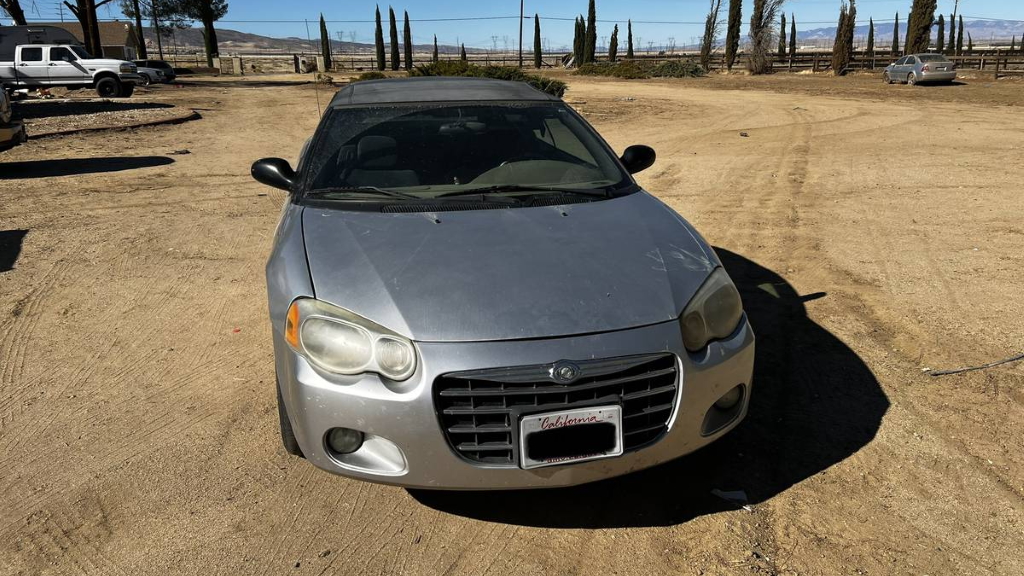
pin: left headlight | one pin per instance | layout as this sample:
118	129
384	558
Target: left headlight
714	312
128	68
340	342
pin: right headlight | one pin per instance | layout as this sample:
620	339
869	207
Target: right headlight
714	312
340	342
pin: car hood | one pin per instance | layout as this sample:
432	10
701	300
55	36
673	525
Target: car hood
103	62
508	274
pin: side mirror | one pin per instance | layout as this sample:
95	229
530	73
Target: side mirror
638	158
274	172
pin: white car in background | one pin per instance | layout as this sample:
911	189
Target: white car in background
150	75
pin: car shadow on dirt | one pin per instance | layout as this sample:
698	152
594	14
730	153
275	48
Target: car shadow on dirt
10	248
814	404
32	109
77	166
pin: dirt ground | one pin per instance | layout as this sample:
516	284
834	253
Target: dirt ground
873	236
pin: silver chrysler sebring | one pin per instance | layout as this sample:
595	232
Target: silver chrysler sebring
469	290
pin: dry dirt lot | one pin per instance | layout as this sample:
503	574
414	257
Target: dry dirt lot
873	236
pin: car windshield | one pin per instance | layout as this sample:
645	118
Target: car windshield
429	150
80	52
933	58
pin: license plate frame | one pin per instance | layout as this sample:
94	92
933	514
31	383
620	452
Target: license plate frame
562	420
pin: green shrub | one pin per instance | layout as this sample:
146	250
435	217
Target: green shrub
370	76
510	73
642	70
624	70
677	69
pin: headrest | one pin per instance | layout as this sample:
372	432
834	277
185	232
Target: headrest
377	152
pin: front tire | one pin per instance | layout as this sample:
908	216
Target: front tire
108	88
291	445
146	81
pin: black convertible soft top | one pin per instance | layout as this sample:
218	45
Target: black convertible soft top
436	89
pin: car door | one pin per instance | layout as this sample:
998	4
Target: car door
64	67
32	68
908	68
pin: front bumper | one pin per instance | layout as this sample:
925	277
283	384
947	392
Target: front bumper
415	453
12	135
130	78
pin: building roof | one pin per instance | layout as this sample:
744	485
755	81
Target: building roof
111	33
436	89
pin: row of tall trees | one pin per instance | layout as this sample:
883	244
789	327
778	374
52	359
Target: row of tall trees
396	52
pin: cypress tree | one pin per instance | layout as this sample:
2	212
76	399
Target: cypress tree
970	44
434	57
707	41
871	37
782	38
940	37
613	45
462	53
792	36
537	60
379	42
896	37
919	26
395	57
842	49
590	40
960	38
577	41
951	45
407	37
629	39
732	33
325	44
1013	44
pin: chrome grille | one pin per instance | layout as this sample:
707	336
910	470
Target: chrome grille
479	409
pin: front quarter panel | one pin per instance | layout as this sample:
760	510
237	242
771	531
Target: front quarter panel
287	271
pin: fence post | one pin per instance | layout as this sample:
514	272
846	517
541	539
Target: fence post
815	66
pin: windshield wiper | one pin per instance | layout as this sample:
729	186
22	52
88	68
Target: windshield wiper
595	192
364	190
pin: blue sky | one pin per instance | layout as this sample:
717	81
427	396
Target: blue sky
681	17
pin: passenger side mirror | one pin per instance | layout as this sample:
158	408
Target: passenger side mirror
274	172
638	158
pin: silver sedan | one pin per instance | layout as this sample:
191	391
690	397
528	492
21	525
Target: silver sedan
469	290
919	69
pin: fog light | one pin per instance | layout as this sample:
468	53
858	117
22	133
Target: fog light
344	440
730	398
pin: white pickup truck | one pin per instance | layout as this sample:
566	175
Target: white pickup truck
68	66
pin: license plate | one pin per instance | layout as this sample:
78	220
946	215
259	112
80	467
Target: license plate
570	436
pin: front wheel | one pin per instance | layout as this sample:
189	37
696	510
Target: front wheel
146	81
291	445
108	88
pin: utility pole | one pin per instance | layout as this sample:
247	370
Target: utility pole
521	6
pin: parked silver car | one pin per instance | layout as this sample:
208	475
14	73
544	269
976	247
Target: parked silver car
919	69
469	290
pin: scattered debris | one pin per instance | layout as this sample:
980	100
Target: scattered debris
181	152
236	330
744	135
973	368
324	554
737	497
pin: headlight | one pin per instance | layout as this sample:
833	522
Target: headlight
128	68
340	342
714	312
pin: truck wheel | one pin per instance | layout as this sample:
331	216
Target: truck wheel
108	88
291	445
127	90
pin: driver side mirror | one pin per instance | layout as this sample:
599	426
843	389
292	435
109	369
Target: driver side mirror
638	158
274	172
